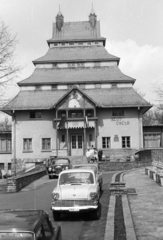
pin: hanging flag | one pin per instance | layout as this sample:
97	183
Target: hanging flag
86	121
62	122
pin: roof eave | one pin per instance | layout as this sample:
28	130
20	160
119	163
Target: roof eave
79	82
76	60
77	40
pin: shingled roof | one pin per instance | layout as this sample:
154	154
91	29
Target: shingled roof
76	75
76	54
76	31
107	98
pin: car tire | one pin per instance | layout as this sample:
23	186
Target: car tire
96	213
49	177
56	215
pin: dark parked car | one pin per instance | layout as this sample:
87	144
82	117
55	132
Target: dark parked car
27	225
0	173
57	165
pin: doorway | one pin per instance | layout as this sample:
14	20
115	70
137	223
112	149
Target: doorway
76	144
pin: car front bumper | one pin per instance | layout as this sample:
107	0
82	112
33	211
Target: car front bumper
74	206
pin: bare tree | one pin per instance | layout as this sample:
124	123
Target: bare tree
5	124
8	69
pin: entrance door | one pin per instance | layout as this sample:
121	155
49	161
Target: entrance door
76	145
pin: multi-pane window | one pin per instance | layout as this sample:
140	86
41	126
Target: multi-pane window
118	112
27	144
46	144
35	114
5	143
106	142
126	142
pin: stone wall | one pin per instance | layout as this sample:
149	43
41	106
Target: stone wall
122	166
150	155
16	183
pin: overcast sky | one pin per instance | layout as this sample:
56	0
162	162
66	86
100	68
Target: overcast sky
133	28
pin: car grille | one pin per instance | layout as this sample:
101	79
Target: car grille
58	170
72	203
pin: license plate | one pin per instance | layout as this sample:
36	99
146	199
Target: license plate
74	210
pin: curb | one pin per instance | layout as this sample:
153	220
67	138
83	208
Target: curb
109	230
128	221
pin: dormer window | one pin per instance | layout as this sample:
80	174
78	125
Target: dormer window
54	65
71	64
38	88
35	114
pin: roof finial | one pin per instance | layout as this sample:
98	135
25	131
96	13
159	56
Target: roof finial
59	12
92	11
92	18
59	20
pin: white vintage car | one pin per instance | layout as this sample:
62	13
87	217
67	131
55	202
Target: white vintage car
77	190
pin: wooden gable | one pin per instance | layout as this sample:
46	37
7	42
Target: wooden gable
75	99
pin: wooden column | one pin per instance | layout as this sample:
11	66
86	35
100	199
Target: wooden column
56	134
85	140
95	130
67	139
14	140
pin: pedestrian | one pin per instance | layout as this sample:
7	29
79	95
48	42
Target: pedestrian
100	153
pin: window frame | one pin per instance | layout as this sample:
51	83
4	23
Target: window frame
126	140
7	138
34	113
105	144
120	112
29	143
46	144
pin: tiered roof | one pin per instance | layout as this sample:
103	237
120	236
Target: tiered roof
77	31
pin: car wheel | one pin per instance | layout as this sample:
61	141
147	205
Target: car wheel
96	213
56	215
49	177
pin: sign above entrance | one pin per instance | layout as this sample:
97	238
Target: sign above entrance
75	100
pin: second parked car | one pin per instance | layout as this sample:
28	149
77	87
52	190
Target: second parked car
57	165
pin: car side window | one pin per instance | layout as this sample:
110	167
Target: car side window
45	232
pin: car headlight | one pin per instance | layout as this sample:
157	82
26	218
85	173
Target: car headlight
93	195
66	167
50	169
55	196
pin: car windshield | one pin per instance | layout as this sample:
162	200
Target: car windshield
76	178
94	168
16	235
60	161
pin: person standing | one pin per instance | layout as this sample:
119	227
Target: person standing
100	153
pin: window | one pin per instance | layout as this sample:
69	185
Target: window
75	114
106	142
125	142
80	64
45	231
35	114
80	43
54	65
46	144
5	143
2	165
27	144
90	113
54	87
63	138
97	64
114	85
71	64
9	166
55	44
118	112
71	43
38	88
